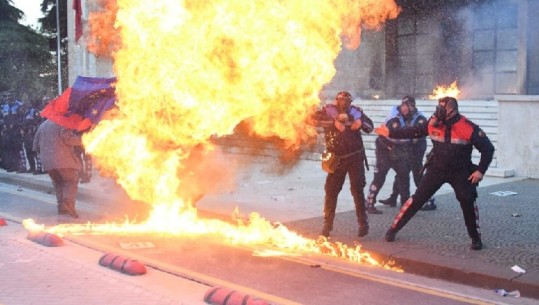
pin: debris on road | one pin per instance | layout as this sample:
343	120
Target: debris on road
516	268
504	293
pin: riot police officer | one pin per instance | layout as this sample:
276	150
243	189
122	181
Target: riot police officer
453	137
417	152
11	111
393	154
343	138
30	123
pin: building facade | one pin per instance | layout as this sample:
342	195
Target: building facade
490	47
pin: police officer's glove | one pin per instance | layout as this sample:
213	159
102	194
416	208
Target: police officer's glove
382	130
340	126
356	125
475	177
343	117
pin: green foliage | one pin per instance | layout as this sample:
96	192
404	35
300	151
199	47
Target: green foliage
28	67
48	27
9	12
48	21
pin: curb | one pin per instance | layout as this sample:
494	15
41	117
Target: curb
41	186
226	296
439	267
122	264
45	239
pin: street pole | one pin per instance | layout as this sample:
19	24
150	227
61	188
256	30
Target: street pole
58	48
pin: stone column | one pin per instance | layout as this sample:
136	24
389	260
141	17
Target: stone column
518	143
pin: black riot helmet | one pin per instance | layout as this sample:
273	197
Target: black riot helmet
447	108
343	101
409	101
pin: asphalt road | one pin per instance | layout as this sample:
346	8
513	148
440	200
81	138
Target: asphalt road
286	280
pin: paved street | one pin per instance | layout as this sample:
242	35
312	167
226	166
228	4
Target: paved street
216	113
70	275
438	251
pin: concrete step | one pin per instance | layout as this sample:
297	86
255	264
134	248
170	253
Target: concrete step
482	112
500	172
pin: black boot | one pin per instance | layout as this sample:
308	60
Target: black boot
362	219
429	206
371	200
391	201
373	210
363	231
390	235
476	244
330	204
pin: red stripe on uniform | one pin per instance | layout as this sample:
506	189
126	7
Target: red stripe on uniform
405	207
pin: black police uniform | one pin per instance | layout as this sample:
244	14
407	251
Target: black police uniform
347	143
13	144
453	141
391	154
30	123
417	152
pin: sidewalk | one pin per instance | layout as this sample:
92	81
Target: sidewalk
433	244
34	274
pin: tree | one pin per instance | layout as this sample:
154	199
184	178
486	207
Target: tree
26	65
49	29
9	12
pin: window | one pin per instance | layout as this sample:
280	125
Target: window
495	43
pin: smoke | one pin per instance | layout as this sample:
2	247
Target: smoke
492	29
436	43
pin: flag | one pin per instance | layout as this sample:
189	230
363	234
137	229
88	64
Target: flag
91	97
82	105
77	6
57	111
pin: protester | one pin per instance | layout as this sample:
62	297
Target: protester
453	137
56	148
343	124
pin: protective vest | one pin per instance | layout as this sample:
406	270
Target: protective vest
459	133
349	141
30	114
402	123
452	143
9	109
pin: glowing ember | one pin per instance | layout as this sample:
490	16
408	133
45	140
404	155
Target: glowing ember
191	70
442	91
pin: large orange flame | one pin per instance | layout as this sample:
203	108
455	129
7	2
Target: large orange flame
191	70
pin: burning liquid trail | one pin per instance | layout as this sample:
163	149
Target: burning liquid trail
255	232
189	71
